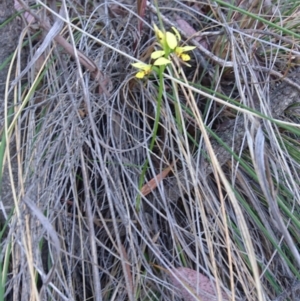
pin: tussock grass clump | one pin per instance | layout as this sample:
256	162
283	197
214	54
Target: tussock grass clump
122	180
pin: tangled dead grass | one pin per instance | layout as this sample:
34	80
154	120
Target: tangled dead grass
85	228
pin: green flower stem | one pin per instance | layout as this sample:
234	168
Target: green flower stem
161	23
155	129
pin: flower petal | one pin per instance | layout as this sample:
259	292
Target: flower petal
160	35
157	54
176	33
161	61
185	57
140	74
187	48
178	51
171	40
141	66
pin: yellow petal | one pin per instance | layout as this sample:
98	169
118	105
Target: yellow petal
158	32
156	29
140	74
176	33
161	61
185	57
171	40
157	54
187	48
141	66
178	51
147	69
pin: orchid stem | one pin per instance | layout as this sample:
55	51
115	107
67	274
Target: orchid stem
155	129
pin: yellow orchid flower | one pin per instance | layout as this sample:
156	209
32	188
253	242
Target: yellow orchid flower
181	52
165	38
145	69
171	40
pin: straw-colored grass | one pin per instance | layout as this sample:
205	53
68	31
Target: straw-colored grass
89	224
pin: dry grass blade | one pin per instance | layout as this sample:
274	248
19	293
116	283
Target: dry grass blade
90	217
50	231
99	206
264	175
